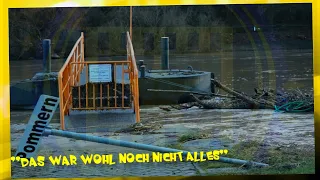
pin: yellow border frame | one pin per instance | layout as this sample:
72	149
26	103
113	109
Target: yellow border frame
5	153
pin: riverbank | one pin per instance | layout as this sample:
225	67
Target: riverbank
280	139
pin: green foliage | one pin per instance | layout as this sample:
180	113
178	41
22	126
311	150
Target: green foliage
27	27
192	136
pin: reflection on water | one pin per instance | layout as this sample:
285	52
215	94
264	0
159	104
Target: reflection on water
242	70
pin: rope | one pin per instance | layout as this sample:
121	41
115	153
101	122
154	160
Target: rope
172	83
187	87
296	106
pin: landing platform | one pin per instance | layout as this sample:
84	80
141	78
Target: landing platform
99	121
156	74
25	94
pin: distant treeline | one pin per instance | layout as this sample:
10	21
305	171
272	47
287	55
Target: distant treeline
28	27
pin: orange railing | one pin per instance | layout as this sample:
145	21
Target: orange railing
70	75
69	80
100	96
134	76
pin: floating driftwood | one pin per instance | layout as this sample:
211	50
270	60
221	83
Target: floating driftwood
255	103
294	101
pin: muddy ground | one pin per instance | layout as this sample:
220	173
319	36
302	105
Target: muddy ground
240	131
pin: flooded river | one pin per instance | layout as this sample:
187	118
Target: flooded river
242	71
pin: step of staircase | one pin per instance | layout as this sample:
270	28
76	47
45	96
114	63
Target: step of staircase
99	120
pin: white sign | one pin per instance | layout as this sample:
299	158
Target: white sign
39	120
100	73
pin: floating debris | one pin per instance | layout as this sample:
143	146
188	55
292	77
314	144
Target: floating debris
294	101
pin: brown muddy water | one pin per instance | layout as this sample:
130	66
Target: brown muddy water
224	128
242	70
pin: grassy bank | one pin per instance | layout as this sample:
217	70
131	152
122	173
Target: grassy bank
286	159
282	160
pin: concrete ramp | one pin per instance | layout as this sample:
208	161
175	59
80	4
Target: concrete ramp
99	121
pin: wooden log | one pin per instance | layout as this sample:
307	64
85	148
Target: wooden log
202	103
185	105
225	103
255	103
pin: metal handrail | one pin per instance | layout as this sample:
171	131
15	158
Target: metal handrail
69	76
134	77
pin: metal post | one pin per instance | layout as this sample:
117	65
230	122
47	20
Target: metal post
46	46
165	53
143	71
141	62
86	137
212	84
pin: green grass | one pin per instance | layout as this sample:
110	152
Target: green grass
306	167
192	136
281	160
284	160
176	146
